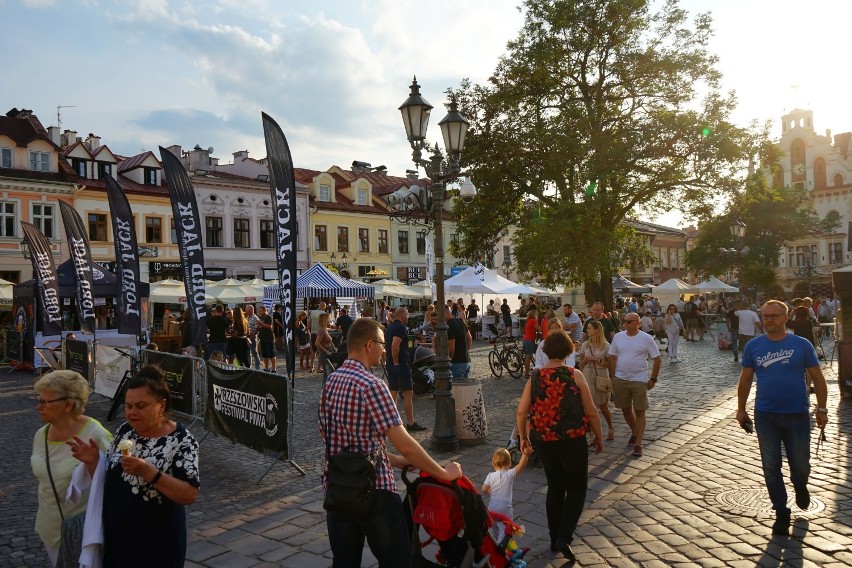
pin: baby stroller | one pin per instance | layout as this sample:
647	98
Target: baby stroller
337	358
422	376
455	516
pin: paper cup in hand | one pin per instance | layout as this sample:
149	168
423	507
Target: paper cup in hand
124	447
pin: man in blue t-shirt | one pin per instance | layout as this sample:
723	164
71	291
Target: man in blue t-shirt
781	362
399	367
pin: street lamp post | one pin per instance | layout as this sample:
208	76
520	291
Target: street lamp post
808	269
737	229
425	208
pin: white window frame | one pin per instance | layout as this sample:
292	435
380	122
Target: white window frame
39	218
362	197
324	193
41	161
4	214
7	158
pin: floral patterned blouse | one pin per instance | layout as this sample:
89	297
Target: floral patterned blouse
556	408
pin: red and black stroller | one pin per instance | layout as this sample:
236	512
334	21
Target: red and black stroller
455	516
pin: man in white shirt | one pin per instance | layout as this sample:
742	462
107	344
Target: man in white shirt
647	322
628	365
749	324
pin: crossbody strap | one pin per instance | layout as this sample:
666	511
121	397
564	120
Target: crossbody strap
50	475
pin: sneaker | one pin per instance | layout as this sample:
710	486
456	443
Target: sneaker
803	498
637	451
781	526
415	427
631	441
512	445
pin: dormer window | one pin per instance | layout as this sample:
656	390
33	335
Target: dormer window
79	165
362	197
324	193
104	170
150	176
39	161
6	160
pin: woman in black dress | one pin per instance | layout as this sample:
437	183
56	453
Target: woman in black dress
146	487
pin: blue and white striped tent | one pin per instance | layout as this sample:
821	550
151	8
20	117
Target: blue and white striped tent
319	282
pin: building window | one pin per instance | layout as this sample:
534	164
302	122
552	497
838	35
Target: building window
150	176
799	255
13	276
42	217
343	239
325	193
402	239
454	238
153	230
267	234
97	227
241	233
363	240
383	241
39	161
6	158
507	254
362	197
79	166
421	242
104	170
320	237
174	233
838	179
835	253
8	219
214	231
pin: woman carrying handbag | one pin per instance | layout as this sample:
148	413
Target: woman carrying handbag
595	367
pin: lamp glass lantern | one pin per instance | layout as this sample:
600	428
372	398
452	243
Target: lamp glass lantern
737	227
415	114
25	248
454	129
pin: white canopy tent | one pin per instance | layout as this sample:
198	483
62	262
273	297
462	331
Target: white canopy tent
486	281
714	285
395	288
673	286
6	291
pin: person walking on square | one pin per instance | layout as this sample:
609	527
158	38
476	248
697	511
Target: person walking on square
357	410
252	320
596	313
500	482
459	342
572	324
266	339
506	312
313	326
628	367
595	363
781	362
399	367
531	330
674	327
749	324
734	330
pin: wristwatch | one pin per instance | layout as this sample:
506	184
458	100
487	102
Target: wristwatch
822	410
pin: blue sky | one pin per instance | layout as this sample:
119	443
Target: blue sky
142	73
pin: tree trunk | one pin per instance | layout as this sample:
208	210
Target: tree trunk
600	291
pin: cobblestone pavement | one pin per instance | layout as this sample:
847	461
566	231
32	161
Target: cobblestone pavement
694	499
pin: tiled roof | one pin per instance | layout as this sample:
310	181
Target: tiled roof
70	148
24	130
135	162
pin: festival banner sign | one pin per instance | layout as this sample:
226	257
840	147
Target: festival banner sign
188	227
77	357
44	272
178	372
282	184
128	315
247	407
81	256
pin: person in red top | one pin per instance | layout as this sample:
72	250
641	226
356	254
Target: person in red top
531	330
357	410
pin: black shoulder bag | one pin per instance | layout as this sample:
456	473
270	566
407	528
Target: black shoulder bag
351	480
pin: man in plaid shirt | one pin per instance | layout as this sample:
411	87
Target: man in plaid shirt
358	410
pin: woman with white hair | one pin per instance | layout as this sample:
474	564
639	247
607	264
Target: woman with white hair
62	397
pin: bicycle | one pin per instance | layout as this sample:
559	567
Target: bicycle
506	356
118	398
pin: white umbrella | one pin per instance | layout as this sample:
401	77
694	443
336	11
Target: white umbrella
167	291
713	284
393	288
238	295
487	281
6	291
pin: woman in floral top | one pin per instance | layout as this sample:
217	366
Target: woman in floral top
556	409
146	489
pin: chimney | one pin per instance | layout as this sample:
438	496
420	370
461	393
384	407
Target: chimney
411	174
69	137
176	150
241	155
360	166
55	135
93	142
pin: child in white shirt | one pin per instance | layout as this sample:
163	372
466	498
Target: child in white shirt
498	484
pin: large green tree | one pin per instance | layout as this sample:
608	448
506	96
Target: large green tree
599	108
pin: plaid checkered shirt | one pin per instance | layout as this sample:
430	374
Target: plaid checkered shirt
356	410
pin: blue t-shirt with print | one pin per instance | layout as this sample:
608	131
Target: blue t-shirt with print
780	368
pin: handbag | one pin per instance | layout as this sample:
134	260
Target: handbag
350	481
71	539
603	383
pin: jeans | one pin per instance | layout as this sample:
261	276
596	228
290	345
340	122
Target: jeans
460	370
566	467
255	358
794	431
735	336
386	531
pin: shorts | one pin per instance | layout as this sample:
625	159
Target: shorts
691	323
267	349
529	348
507	321
399	378
314	342
630	394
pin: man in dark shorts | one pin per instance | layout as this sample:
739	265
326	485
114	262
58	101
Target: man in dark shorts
217	326
506	311
399	367
459	341
266	339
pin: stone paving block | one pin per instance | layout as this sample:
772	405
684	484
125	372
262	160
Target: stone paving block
229	536
253	545
231	560
201	551
279	553
305	560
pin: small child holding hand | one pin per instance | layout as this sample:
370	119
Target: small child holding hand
498	484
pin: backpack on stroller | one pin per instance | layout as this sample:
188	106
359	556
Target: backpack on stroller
422	376
338	357
455	516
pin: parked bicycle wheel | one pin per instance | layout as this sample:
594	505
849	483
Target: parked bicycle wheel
514	363
495	364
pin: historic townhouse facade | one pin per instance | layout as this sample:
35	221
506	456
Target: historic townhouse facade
33	179
821	164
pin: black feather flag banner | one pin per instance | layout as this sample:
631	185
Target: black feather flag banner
129	312
44	272
81	258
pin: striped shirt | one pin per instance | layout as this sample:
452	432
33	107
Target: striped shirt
355	410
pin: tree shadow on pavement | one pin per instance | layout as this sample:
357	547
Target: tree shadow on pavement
786	550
